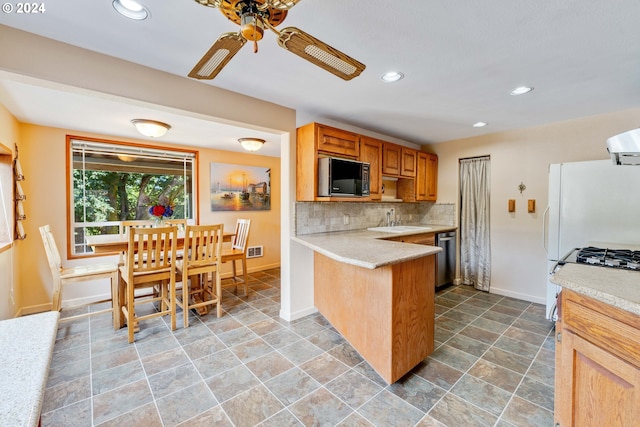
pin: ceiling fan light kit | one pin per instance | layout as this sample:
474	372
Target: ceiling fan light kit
253	16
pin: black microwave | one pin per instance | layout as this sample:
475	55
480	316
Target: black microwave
342	177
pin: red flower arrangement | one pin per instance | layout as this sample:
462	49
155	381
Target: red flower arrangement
160	211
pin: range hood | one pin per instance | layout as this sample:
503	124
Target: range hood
625	148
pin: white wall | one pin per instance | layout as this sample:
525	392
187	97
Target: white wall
519	267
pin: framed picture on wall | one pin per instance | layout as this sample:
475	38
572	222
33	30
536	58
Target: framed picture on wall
240	187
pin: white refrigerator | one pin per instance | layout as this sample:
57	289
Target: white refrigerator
593	201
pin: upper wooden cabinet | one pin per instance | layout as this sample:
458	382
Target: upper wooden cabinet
391	159
398	160
426	177
316	140
336	141
371	152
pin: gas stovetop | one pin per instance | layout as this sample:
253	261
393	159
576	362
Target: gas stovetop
616	258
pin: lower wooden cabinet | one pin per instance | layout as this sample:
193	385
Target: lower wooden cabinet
597	364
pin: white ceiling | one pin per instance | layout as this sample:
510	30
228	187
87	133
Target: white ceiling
460	59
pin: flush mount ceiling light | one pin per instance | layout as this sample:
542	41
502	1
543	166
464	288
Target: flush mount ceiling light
131	9
521	90
151	128
479	124
392	76
251	144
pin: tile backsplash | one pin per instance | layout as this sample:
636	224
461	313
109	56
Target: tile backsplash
320	217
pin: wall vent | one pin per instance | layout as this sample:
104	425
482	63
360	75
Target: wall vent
254	251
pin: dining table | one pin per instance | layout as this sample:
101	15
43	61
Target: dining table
104	244
111	244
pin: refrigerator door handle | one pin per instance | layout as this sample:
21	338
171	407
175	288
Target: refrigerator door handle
544	230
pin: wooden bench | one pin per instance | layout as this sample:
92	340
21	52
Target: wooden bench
26	347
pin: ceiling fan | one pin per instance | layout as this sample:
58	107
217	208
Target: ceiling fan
253	16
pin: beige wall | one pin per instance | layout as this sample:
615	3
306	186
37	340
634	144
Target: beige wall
65	67
518	259
43	158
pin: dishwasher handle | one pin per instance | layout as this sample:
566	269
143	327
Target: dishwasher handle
445	239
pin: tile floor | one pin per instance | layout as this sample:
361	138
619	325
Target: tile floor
493	366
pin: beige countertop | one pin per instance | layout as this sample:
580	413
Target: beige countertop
27	345
368	249
618	288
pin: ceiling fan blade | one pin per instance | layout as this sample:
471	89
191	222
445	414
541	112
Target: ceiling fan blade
278	4
319	53
211	3
218	56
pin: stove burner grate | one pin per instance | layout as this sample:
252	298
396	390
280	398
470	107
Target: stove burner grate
616	258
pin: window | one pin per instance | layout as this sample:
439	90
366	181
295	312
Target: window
111	182
6	200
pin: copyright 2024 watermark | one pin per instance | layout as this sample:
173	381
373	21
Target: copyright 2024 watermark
23	8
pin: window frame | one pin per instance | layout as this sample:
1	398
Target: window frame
129	145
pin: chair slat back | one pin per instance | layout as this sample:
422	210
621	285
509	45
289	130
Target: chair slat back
53	256
242	234
126	225
181	223
203	244
151	249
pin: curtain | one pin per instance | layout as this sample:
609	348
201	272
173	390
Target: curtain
475	246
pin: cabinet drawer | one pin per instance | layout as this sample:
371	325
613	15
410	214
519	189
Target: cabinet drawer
428	239
603	325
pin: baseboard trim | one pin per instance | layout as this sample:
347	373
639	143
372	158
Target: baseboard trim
517	295
290	317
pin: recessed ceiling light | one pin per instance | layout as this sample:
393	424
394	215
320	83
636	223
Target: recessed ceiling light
131	9
520	90
392	76
479	125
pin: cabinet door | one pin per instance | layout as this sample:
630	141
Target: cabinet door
426	176
391	159
337	141
408	163
594	387
371	152
432	177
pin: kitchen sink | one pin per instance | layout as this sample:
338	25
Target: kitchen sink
399	228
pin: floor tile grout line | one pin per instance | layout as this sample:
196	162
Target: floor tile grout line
499	417
257	308
525	376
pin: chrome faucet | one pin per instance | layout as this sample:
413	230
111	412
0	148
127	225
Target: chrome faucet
391	217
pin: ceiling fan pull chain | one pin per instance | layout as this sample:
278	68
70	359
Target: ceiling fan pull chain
255	46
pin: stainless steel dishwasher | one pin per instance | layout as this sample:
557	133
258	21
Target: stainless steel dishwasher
446	260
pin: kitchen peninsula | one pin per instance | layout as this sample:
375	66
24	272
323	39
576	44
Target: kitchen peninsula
378	293
597	346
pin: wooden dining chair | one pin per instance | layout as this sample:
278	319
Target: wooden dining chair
202	248
64	276
148	264
238	252
125	225
181	223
